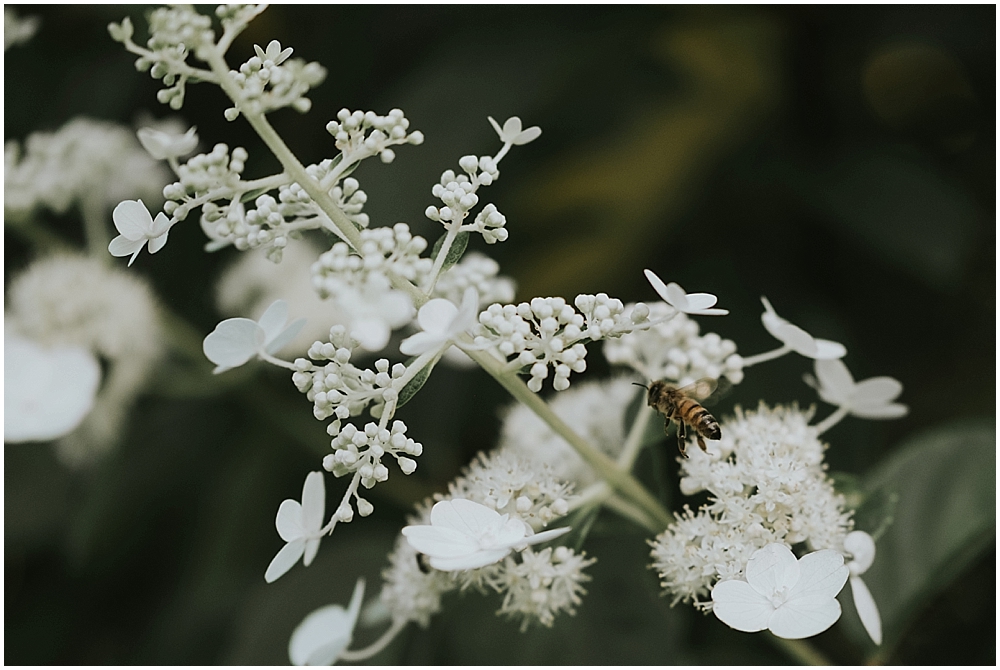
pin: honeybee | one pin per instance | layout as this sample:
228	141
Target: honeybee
680	405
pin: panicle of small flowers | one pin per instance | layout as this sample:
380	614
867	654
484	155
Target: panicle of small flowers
361	451
672	349
268	81
207	177
596	410
543	584
86	163
458	194
768	483
360	135
606	318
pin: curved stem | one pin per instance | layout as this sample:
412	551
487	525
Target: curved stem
766	356
376	646
273	360
449	239
633	443
832	420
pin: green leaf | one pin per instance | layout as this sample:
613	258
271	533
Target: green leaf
945	517
253	194
455	252
414	384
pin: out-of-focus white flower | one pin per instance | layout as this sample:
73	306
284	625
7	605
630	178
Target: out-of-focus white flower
324	634
870	399
797	339
791	598
441	322
66	300
47	390
162	145
236	341
689	303
138	228
299	526
543	584
17	30
861	547
372	314
511	132
464	535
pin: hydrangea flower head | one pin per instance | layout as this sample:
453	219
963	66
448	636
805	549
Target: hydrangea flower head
871	399
464	535
236	341
299	526
138	228
791	598
689	303
324	634
797	339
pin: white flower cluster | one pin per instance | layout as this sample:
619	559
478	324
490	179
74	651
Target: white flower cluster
768	484
596	410
672	349
480	272
93	164
204	178
269	81
549	332
72	301
362	450
458	193
536	588
359	135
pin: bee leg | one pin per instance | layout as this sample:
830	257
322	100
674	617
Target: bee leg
680	437
701	443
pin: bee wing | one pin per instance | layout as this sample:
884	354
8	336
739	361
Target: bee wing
701	389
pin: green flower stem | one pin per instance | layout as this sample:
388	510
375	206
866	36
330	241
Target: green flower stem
620	480
632	513
766	356
449	239
633	443
800	650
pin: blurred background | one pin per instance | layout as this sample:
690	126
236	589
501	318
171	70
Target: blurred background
839	160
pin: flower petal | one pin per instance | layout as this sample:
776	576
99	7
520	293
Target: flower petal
867	609
157	243
827	349
286	336
740	606
132	219
890	411
123	246
371	332
289	520
313	501
804	616
421	342
836	382
465	516
772	568
527	135
797	339
511	128
436	315
325	633
861	546
496	127
821	573
657	284
440	542
312	547
273	319
284	560
877	391
233	343
676	296
546	535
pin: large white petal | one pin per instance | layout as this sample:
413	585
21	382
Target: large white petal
828	349
321	637
861	546
421	342
799	340
273	319
740	606
123	246
822	573
546	535
442	542
313	501
311	549
283	561
371	332
286	336
465	516
436	315
233	343
289	521
157	243
772	568
867	610
836	382
804	616
132	219
657	284
478	559
877	391
890	411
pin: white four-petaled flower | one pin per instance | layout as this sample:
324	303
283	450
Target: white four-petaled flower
299	525
861	546
137	227
870	399
324	634
511	132
689	303
236	341
163	145
797	339
441	322
464	535
791	598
